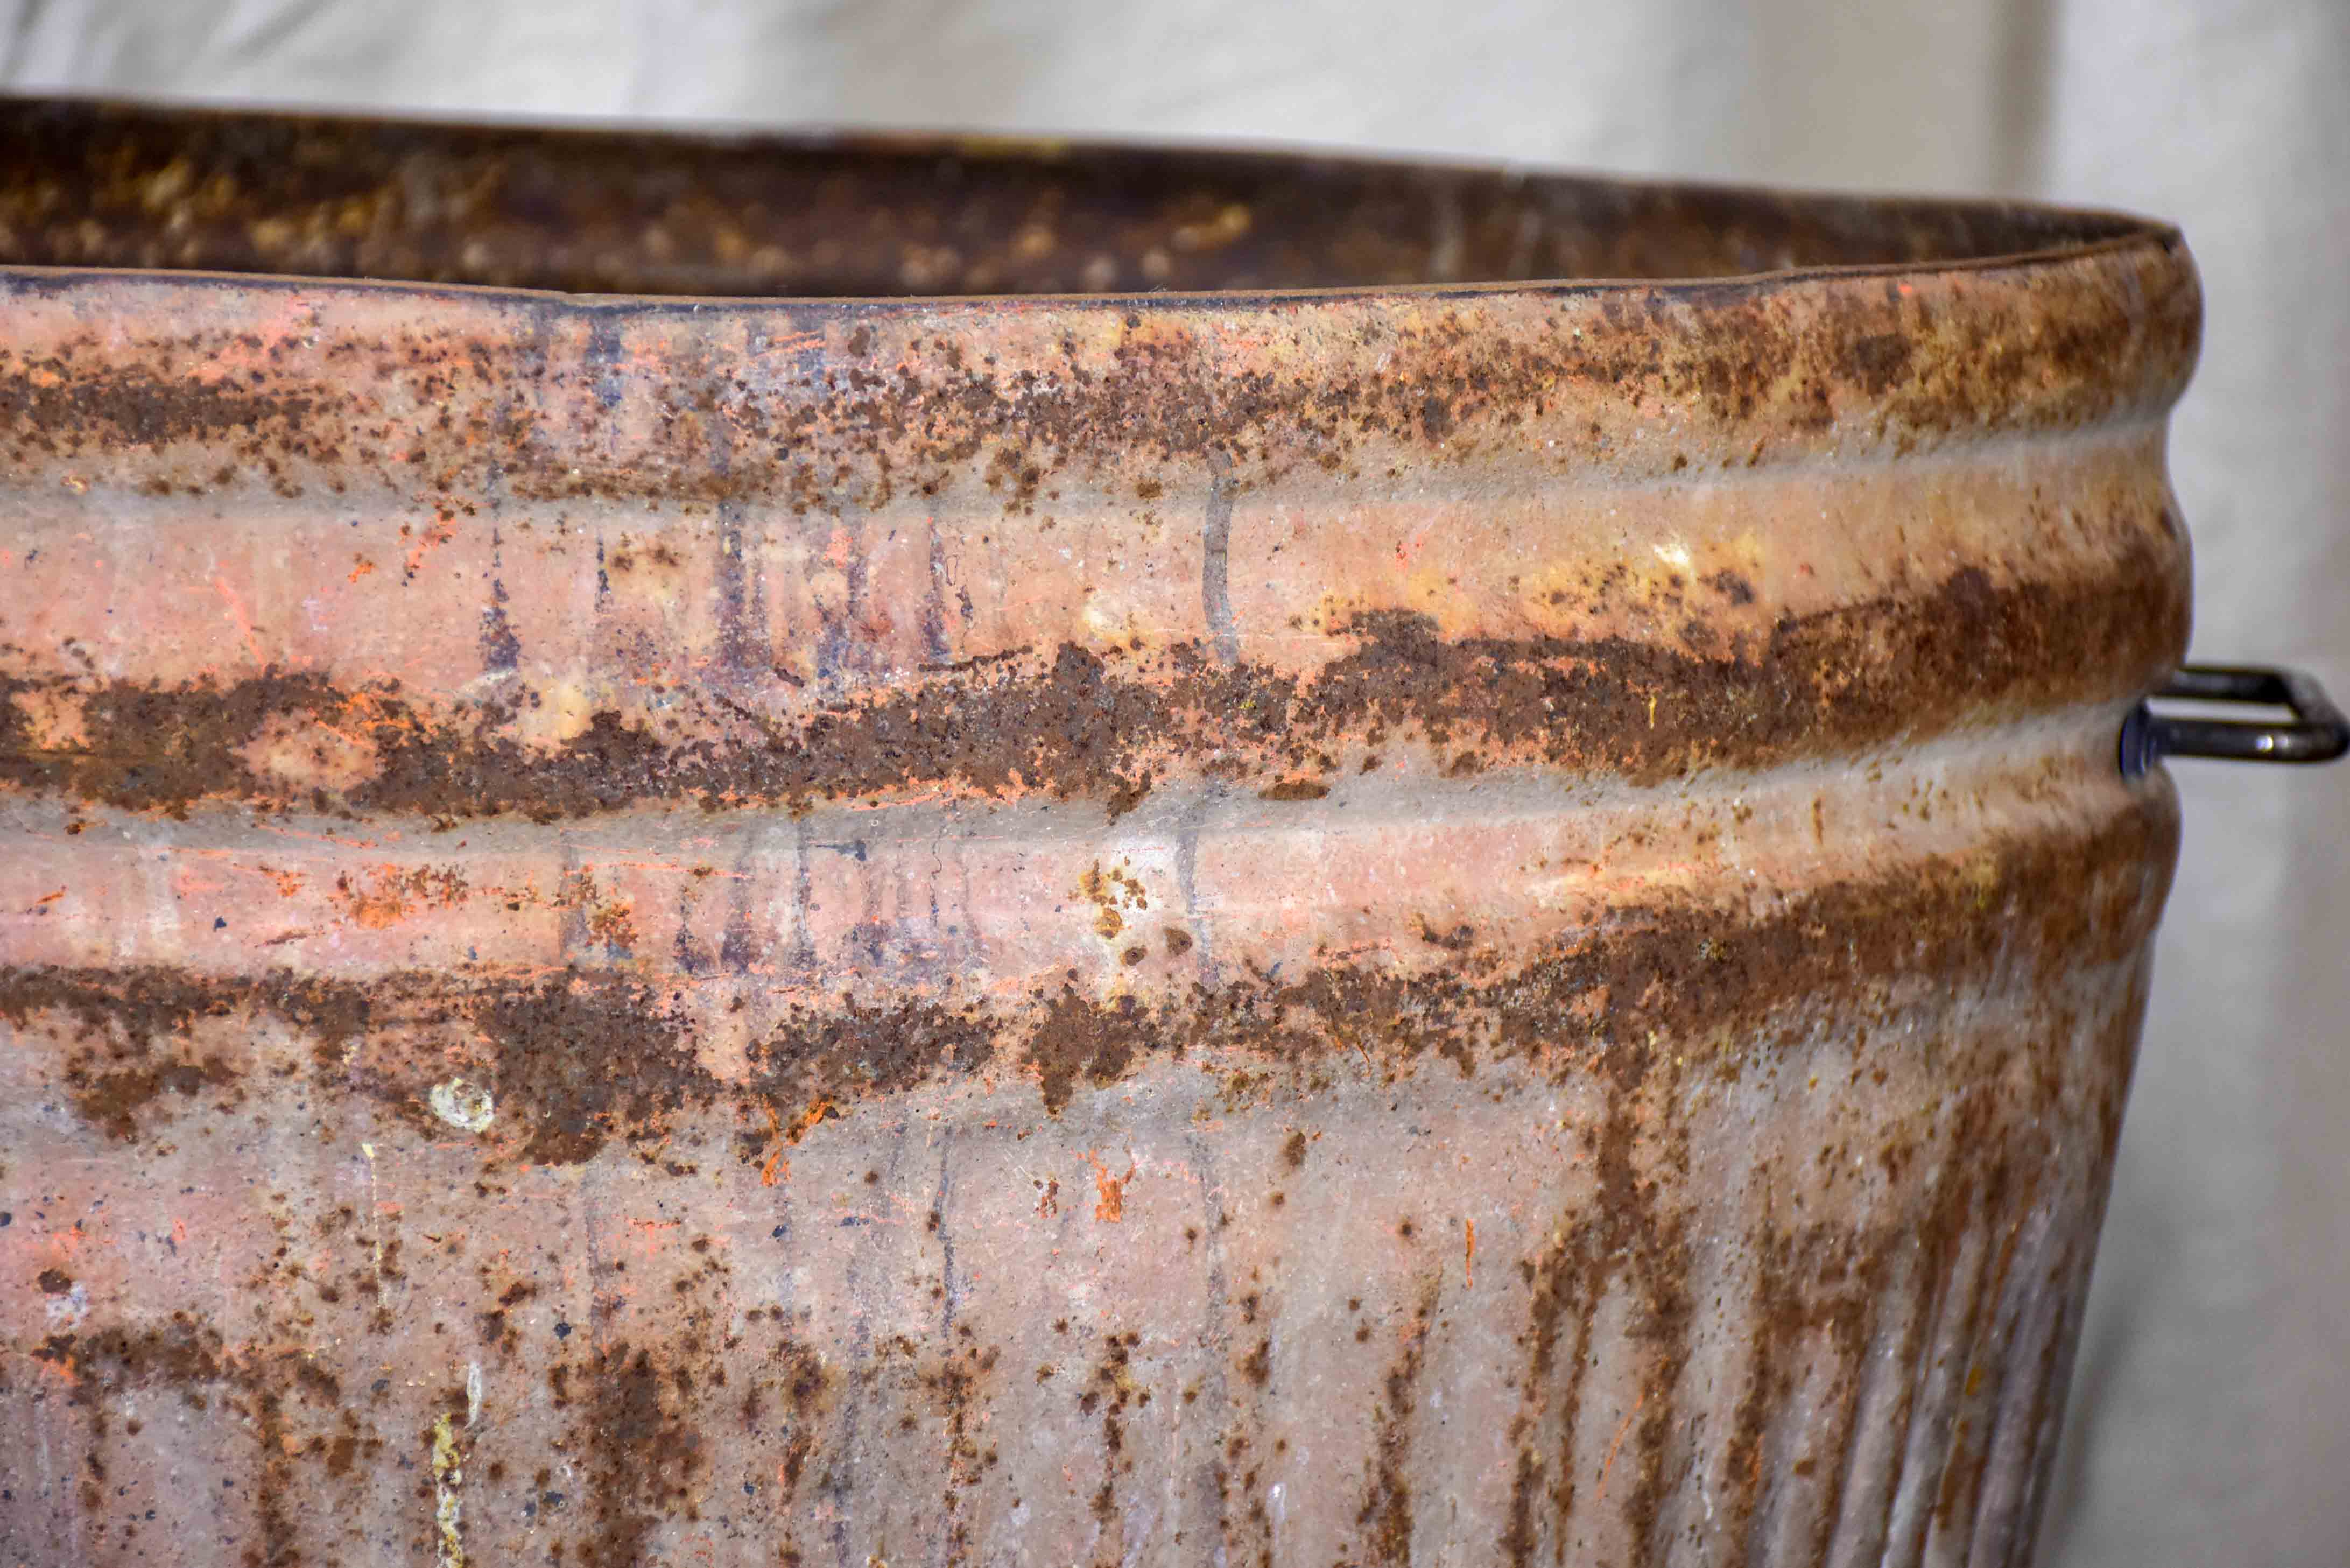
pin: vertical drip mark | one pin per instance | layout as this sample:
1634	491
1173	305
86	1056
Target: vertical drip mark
872	933
743	644
840	1483
737	951
1811	1302
574	933
501	649
603	356
939	950
1668	1313
1187	882
1215	559
690	957
1386	1514
600	1306
1550	1283
972	938
935	645
803	940
948	1290
529	376
1214	1406
955	1378
838	653
741	593
1917	1363
1618	1244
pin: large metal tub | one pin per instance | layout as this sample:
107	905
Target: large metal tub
1352	913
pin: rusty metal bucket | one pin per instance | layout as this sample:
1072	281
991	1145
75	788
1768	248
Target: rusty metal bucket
1304	897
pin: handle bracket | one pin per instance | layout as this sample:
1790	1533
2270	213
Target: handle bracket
2317	732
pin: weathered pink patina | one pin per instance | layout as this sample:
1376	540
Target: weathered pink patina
1378	909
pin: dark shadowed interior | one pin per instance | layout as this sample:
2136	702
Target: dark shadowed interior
86	184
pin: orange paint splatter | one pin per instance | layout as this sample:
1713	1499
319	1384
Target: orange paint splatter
653	1236
1109	1191
440	532
777	1167
1622	1432
776	1161
243	622
1469	1256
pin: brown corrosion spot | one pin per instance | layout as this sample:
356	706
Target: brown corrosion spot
179	1354
644	1461
1076	1038
134	1044
581	1060
1111	892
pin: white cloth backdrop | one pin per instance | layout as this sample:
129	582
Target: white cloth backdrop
2211	1407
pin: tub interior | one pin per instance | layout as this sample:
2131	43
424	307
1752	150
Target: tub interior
88	184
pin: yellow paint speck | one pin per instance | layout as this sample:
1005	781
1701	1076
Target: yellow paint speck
448	1472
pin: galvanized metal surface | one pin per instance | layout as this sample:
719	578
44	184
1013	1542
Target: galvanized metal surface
1395	925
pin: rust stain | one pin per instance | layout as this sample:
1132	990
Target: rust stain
386	895
1825	685
583	1056
1112	893
1386	1514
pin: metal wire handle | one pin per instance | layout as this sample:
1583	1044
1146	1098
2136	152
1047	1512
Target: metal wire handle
2318	734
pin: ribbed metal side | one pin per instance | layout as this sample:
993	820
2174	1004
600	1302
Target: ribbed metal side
1781	1268
1356	928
